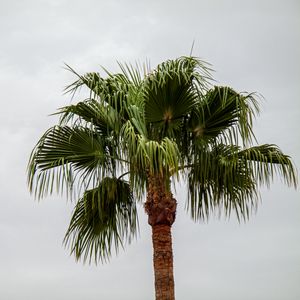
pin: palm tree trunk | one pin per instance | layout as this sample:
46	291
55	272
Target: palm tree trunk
161	209
163	262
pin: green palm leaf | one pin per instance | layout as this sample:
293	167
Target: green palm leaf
112	90
225	113
63	150
265	161
171	93
92	112
224	178
218	180
103	220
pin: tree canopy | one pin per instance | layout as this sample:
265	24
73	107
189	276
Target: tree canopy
170	122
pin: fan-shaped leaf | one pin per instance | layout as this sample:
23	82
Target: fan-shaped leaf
103	220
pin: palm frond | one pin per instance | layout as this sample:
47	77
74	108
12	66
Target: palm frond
103	220
225	178
111	90
226	114
149	155
170	94
133	74
265	161
90	112
219	181
63	150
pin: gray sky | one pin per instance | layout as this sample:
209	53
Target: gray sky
252	45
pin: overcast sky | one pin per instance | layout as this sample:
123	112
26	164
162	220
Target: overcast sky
252	45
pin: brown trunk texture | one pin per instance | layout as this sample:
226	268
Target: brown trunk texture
161	209
163	262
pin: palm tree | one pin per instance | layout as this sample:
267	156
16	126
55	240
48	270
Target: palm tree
136	135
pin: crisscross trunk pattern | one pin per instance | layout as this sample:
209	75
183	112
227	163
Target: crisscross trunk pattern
161	209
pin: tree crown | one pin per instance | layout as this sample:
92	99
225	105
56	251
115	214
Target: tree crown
169	122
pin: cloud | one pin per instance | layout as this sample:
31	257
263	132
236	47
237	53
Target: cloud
252	45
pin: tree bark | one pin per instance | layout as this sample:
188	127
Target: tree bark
161	209
163	262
